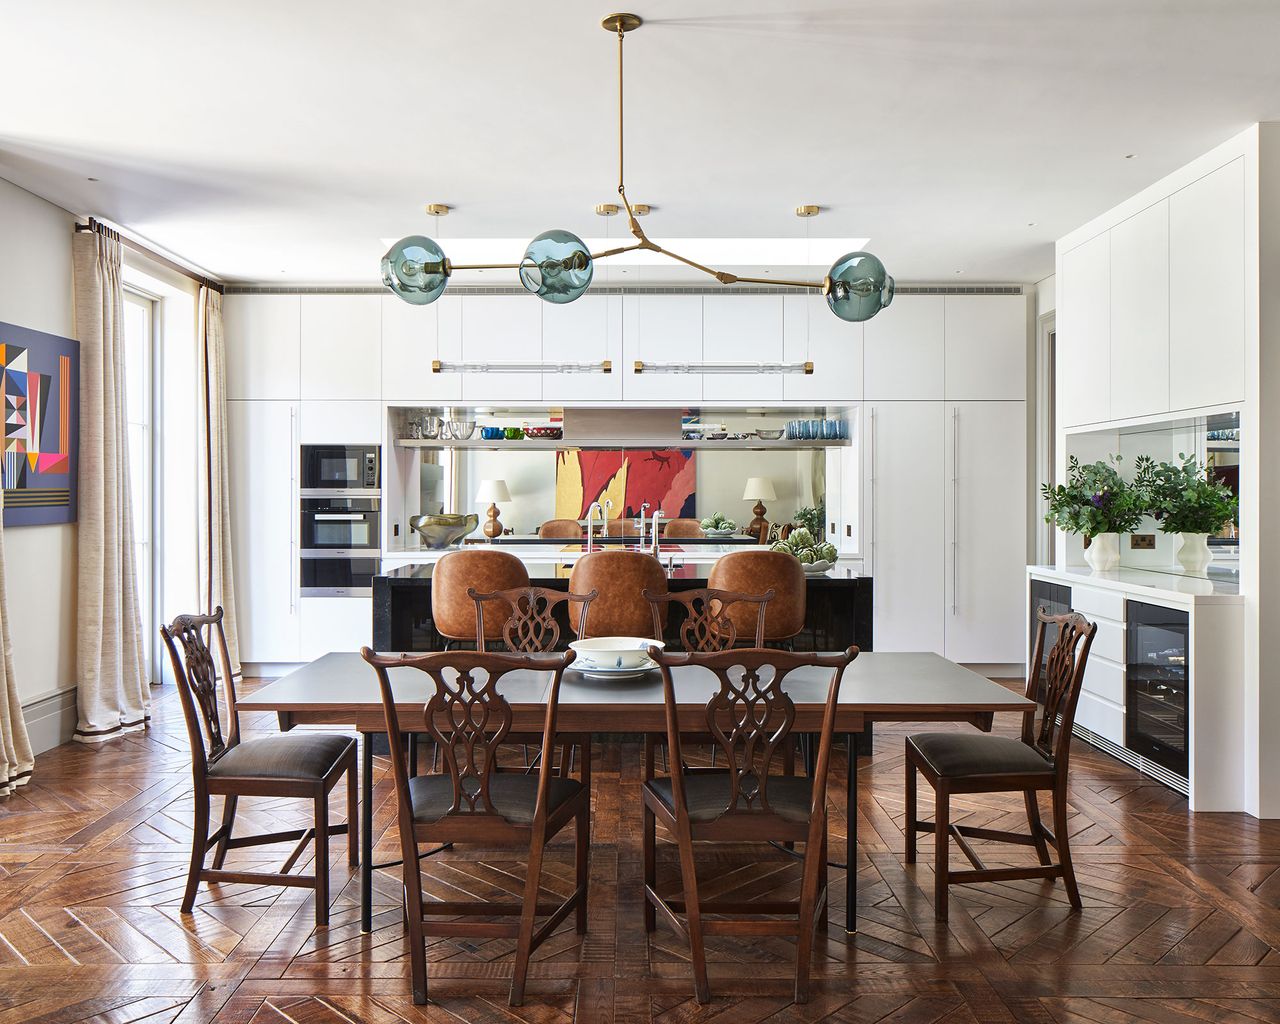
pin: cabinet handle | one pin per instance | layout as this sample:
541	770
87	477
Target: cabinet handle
955	501
875	519
294	455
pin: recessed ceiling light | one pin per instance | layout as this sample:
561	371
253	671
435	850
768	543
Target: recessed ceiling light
1130	156
1031	223
90	179
959	271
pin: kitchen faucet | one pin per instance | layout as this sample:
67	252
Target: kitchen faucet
644	507
608	507
653	524
591	512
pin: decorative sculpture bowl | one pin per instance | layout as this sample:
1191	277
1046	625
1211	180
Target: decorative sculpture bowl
443	530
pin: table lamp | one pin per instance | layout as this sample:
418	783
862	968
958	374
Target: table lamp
760	490
492	491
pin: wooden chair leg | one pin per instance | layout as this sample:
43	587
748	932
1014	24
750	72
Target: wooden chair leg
912	818
228	821
823	873
650	867
1037	829
199	845
353	817
941	854
1064	845
582	839
414	934
693	918
413	755
814	864
524	941
322	859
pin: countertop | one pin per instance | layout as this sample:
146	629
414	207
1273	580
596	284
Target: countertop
1172	585
540	568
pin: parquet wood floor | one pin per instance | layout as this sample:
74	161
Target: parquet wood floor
1181	920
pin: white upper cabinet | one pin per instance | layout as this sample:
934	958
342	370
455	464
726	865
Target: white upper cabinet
501	329
412	338
262	336
1206	290
1083	342
903	350
340	422
812	333
985	346
587	330
661	329
742	329
341	346
1140	314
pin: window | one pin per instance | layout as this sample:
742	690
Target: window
139	352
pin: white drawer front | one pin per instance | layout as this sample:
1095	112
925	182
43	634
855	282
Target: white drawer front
1109	642
1101	717
1093	601
1104	679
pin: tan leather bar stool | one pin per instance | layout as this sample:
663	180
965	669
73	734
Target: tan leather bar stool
621	577
753	571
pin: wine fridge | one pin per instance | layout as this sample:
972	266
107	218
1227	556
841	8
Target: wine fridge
1157	689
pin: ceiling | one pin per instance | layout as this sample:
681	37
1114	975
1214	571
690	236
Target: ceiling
281	142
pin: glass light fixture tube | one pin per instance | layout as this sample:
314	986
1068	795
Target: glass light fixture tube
643	367
442	366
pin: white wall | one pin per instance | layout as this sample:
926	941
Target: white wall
1046	295
35	292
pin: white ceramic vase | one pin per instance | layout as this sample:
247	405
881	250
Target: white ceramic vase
1103	552
1194	554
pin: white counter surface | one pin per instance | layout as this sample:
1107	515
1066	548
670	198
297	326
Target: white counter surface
1171	586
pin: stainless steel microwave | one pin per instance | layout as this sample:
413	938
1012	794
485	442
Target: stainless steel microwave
346	470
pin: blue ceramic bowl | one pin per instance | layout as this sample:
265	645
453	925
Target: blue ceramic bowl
491	433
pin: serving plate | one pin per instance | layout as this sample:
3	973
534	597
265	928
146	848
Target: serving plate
723	532
816	568
615	673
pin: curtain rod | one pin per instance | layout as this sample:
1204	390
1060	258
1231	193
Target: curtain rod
98	227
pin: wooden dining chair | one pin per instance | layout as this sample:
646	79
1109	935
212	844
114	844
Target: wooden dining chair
529	623
305	765
473	801
749	717
974	762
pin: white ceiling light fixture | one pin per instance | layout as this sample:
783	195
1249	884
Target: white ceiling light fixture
558	265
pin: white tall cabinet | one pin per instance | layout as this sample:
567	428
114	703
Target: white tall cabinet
263	437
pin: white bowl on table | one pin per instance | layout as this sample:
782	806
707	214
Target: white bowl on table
613	653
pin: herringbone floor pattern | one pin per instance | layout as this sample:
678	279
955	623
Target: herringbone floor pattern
1181	920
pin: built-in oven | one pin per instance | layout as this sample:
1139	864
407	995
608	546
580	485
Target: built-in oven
326	575
1157	687
335	525
343	469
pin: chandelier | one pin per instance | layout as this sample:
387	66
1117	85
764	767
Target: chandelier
557	265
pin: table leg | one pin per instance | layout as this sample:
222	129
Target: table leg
366	832
851	838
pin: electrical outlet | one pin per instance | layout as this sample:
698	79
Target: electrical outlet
1142	541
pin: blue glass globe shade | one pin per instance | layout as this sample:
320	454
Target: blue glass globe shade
556	267
414	268
858	287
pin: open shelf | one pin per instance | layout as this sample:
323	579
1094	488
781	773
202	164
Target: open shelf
533	444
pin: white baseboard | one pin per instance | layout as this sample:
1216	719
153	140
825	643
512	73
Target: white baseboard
51	720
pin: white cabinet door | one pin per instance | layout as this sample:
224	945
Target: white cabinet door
342	346
335	624
1140	314
903	350
264	513
1083	342
587	330
412	338
341	423
742	329
851	539
812	333
986	539
1206	290
661	329
834	526
985	347
262	336
905	508
501	329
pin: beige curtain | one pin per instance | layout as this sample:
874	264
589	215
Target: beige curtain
15	748
217	581
114	695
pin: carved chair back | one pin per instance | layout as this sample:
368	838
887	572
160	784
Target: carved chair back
750	718
531	626
1057	685
198	677
707	626
469	719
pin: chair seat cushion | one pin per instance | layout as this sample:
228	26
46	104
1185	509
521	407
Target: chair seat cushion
514	796
306	756
963	754
707	795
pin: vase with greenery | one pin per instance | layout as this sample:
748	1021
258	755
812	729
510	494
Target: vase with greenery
1183	499
812	517
1097	503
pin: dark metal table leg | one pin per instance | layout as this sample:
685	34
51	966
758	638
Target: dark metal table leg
851	838
366	832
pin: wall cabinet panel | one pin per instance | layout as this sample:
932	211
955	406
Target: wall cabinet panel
810	331
742	329
587	330
501	329
341	346
412	338
1083	344
262	334
661	329
903	350
985	338
1140	314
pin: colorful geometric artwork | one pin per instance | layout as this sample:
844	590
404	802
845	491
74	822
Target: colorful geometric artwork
40	388
664	477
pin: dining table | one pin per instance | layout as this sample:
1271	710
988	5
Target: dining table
341	689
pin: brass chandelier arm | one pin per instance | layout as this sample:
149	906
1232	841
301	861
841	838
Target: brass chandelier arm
483	266
617	252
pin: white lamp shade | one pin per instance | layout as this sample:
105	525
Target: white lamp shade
759	488
493	491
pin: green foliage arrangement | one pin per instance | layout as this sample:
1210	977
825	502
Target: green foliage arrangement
811	517
1095	499
1182	498
718	521
801	543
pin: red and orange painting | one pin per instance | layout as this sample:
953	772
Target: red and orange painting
664	477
